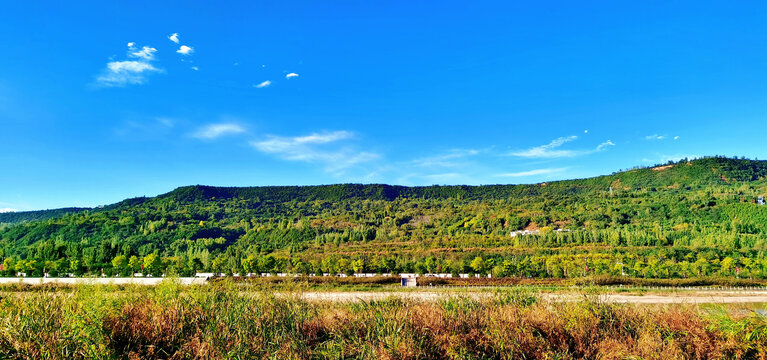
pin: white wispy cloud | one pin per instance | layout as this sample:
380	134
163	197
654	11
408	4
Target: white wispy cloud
129	72
655	137
532	172
552	150
291	75
213	131
7	210
450	159
676	137
442	178
146	128
549	150
604	145
290	147
146	52
173	37
130	66
165	121
315	147
263	84
195	68
185	50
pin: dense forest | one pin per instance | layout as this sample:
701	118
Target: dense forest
689	218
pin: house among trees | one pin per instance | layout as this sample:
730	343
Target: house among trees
524	232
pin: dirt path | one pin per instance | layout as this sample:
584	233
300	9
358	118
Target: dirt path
692	297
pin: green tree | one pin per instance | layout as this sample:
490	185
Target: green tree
499	271
342	266
75	267
120	264
508	267
479	265
195	265
219	264
153	265
134	264
9	266
268	264
250	264
727	266
52	268
358	265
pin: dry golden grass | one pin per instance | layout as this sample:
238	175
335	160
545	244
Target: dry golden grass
220	322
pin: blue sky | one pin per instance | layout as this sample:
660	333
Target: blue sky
100	101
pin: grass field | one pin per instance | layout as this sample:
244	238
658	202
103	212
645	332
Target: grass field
235	321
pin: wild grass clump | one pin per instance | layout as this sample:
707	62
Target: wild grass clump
598	280
703	281
316	281
226	321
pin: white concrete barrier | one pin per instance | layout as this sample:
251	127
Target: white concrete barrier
99	281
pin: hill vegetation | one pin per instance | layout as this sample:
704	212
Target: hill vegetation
683	219
23	216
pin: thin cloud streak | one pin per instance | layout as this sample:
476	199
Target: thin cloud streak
314	148
604	145
446	160
214	131
263	84
533	172
552	150
549	150
291	148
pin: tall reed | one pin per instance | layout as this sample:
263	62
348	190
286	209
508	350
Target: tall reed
232	321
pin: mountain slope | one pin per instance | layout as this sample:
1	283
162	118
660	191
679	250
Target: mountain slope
673	212
22	216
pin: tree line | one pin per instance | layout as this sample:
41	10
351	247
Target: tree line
696	206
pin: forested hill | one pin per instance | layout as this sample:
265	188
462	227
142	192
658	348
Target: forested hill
702	172
22	216
675	212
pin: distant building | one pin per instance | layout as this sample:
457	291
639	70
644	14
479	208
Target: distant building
532	232
409	282
523	232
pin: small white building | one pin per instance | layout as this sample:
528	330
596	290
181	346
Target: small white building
523	232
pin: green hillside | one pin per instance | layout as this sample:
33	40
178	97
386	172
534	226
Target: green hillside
23	216
685	219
